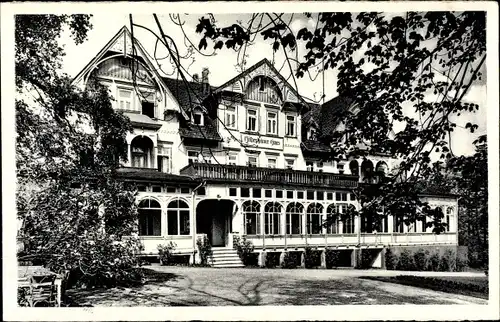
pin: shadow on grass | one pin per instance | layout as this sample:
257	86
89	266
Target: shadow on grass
347	292
168	289
470	286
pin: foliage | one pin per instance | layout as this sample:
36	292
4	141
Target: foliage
312	257
291	260
404	72
165	251
272	259
405	262
204	249
69	143
390	259
420	259
245	250
100	261
434	262
332	257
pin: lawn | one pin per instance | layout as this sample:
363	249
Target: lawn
470	286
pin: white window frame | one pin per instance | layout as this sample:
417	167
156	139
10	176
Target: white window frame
249	156
230	156
309	166
293	123
289	161
269	159
254	117
272	123
193	158
320	166
230	119
201	118
125	100
165	151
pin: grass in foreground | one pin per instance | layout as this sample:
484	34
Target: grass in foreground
471	286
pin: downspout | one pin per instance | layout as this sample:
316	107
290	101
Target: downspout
193	221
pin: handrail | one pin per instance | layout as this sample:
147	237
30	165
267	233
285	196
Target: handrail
268	175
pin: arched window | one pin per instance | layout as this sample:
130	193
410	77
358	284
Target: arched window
366	171
381	170
294	214
347	221
314	214
142	152
334	227
251	217
149	218
178	218
272	218
354	167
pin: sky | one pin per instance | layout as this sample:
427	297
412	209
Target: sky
222	65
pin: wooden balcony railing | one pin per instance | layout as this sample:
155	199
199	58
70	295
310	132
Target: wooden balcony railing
223	172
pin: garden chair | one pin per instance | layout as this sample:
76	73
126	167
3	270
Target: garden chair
42	291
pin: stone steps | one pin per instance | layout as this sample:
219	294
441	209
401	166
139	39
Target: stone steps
225	257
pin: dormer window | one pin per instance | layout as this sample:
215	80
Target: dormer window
312	134
198	118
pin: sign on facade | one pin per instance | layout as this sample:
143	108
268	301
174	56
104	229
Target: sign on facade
264	142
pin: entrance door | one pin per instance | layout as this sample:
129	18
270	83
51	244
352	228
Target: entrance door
219	230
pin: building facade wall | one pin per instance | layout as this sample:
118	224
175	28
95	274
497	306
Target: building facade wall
270	142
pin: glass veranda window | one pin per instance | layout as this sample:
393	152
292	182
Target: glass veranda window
178	218
314	214
149	218
272	213
251	217
294	214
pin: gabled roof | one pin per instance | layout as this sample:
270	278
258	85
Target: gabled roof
190	95
115	41
328	115
273	69
187	95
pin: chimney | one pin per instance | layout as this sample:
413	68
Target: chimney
204	80
196	78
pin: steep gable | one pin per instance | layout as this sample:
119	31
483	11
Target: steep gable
120	45
264	67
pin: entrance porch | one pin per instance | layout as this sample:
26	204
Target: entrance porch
214	218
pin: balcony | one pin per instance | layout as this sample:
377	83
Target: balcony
242	174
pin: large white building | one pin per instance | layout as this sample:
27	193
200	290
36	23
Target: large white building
240	159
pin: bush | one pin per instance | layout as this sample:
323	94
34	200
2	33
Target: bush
204	249
405	262
420	259
332	257
291	260
312	257
434	262
245	250
391	259
105	263
272	259
165	252
448	261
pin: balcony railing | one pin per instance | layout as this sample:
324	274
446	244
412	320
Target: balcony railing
224	172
